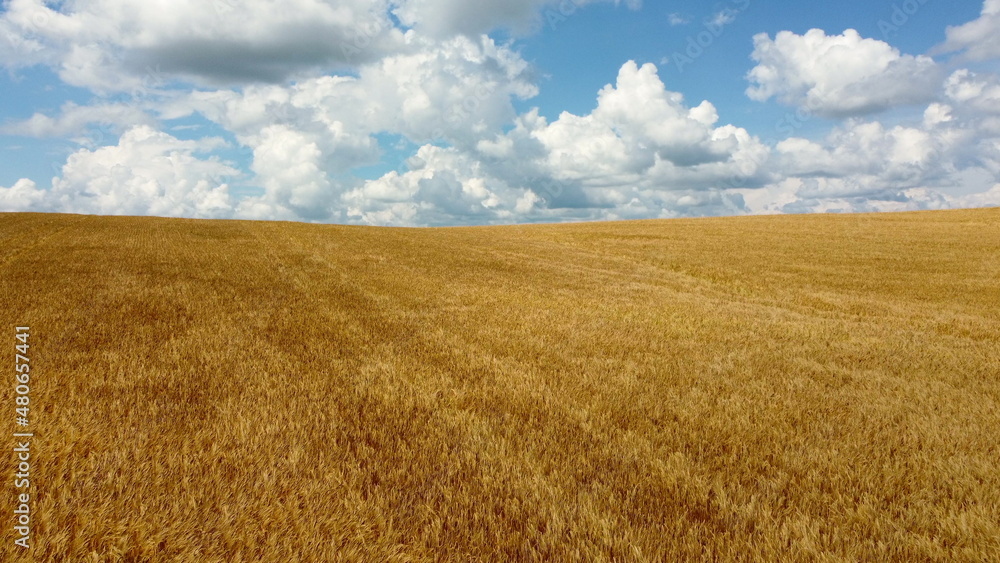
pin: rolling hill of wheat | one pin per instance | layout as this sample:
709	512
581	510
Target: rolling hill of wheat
796	388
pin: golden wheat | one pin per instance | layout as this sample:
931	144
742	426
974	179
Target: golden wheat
794	388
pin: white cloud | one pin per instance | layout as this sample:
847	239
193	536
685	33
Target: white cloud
972	91
442	186
122	45
640	153
24	195
459	90
722	18
839	75
676	19
979	39
949	158
289	167
445	186
18	45
642	133
896	156
989	198
307	137
937	114
74	120
148	173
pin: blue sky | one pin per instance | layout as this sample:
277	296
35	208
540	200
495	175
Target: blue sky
441	112
607	36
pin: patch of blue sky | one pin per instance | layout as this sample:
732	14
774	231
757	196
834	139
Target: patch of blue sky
396	149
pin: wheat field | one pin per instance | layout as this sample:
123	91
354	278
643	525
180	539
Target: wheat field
787	388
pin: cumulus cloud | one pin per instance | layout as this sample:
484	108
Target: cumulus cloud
839	75
640	153
460	89
989	198
640	132
123	45
949	158
979	39
24	195
972	91
896	156
118	45
442	186
937	114
457	90
289	167
445	186
19	44
306	138
147	173
825	195
73	121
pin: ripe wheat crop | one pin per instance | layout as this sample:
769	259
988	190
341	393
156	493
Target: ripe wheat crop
789	388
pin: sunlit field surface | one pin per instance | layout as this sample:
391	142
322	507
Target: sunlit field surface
794	388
